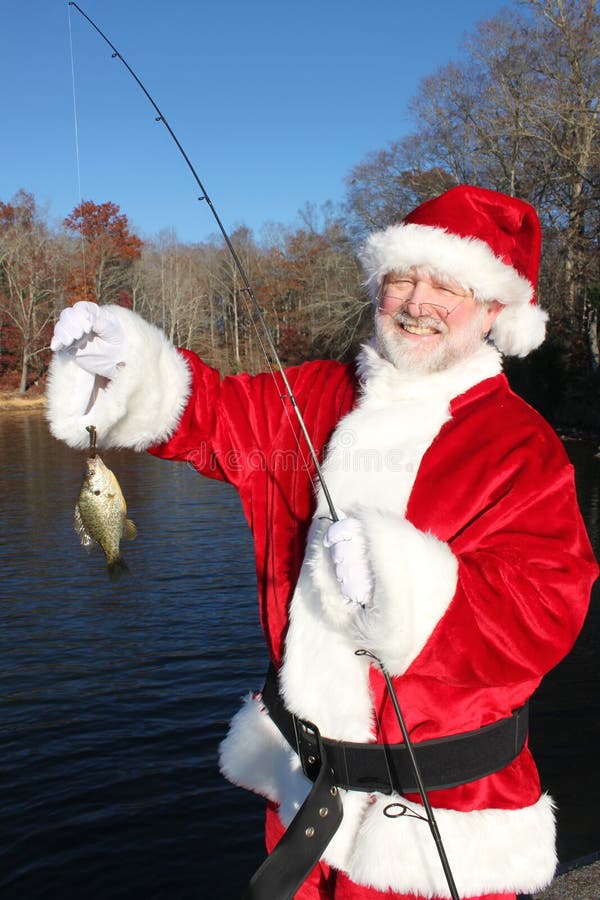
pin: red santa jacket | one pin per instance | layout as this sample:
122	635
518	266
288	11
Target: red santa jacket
483	572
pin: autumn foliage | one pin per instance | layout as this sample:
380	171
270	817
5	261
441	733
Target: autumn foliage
43	270
106	247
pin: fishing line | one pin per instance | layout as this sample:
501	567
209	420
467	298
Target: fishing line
238	264
290	395
76	127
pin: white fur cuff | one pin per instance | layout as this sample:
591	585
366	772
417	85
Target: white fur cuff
489	851
139	407
415	581
256	756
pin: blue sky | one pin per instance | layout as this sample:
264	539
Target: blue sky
274	102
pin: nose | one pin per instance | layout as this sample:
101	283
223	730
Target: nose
421	292
412	307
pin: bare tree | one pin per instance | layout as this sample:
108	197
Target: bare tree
313	279
521	115
27	279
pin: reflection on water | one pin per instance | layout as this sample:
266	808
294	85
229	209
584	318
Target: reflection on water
114	699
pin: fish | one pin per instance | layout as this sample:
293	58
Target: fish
101	512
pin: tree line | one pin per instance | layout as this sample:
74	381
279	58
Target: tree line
519	113
307	280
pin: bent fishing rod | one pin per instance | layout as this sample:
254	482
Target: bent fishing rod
204	196
238	264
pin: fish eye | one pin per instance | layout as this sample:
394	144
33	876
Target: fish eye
97	493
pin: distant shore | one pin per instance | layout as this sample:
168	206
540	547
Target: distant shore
13	400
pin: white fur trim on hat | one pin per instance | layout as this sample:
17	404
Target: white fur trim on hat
469	261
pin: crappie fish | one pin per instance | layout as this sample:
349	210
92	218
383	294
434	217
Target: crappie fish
101	512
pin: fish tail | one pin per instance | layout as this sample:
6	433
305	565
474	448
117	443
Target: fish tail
117	568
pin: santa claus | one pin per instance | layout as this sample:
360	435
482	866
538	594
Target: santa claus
459	564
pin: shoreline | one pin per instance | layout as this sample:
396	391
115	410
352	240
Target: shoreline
13	400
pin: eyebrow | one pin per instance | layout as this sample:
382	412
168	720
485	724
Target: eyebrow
437	280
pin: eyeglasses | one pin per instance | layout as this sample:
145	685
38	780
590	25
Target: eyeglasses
399	303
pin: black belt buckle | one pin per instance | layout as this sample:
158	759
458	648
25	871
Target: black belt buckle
308	746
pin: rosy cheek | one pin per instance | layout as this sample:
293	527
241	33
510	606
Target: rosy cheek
463	316
387	306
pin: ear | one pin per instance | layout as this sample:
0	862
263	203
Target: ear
493	310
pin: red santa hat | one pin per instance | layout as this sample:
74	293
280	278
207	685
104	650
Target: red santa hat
486	241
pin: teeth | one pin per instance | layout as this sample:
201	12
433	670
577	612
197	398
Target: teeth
417	329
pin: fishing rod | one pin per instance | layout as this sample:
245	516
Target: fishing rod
238	264
313	454
429	816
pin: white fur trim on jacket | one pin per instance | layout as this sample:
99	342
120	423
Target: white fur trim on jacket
489	851
415	581
139	407
266	763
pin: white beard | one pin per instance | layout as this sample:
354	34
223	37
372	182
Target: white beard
419	358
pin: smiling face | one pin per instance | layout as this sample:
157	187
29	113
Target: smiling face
425	323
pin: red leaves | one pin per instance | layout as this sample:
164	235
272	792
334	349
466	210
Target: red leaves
102	224
107	247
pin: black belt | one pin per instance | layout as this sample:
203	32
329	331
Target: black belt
444	763
290	863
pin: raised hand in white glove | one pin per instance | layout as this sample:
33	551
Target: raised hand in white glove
347	545
93	336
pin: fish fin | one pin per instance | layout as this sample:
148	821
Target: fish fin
81	531
129	530
117	568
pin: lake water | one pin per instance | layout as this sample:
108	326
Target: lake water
114	698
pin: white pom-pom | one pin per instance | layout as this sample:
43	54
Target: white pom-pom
519	329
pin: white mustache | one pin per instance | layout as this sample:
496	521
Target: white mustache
403	318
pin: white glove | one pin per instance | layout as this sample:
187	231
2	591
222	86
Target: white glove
347	545
93	336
